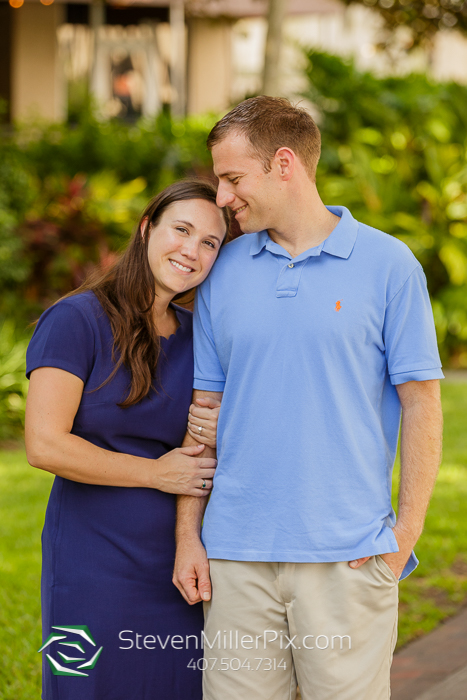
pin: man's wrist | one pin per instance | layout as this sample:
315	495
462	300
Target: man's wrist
406	535
188	539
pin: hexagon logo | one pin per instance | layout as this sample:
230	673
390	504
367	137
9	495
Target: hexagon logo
76	640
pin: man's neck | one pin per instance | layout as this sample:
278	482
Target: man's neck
306	225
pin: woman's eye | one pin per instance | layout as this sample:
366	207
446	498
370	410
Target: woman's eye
182	229
210	244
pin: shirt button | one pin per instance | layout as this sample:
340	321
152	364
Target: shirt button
290	265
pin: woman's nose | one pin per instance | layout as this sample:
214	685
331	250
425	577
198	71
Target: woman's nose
190	249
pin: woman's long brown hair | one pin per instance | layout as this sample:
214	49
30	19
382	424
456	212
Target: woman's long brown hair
127	293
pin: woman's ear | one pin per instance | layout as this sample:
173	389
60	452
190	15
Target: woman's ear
144	227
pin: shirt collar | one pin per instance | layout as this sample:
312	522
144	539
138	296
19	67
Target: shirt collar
339	243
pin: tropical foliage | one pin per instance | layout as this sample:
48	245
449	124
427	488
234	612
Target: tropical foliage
70	197
13	383
394	152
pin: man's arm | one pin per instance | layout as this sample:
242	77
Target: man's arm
191	571
421	440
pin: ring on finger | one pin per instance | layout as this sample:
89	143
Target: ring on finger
200	429
203	485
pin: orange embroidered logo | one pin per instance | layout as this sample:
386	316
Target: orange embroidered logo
338	305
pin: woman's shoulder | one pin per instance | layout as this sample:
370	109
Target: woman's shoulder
84	305
84	301
65	336
79	318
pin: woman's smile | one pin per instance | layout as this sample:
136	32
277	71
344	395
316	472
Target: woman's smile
179	266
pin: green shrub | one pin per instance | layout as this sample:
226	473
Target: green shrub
394	152
17	193
13	383
160	150
70	197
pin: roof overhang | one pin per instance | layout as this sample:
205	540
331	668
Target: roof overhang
235	9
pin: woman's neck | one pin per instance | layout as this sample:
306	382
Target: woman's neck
165	318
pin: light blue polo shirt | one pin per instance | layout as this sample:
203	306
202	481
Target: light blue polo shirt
308	351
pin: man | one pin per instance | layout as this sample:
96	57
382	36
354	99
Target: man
314	332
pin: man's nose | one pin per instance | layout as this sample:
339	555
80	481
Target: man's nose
224	197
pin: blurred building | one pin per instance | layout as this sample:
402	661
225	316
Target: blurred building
135	56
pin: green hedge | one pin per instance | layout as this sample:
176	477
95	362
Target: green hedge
394	152
70	197
13	383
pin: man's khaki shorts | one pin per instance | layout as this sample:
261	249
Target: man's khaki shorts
327	627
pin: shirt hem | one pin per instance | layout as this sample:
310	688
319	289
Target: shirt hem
311	558
208	385
417	375
56	364
299	557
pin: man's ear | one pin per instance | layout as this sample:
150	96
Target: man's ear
284	160
144	227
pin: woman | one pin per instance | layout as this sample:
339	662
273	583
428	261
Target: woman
111	370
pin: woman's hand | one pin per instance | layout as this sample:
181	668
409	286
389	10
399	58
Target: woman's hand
53	400
202	421
183	471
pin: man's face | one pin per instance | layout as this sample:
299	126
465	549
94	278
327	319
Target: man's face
252	194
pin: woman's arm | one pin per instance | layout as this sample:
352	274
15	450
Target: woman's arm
53	400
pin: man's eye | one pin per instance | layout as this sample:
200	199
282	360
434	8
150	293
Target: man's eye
234	180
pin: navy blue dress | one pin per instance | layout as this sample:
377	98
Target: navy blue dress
108	552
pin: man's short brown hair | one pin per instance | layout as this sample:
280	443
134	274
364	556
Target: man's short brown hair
270	123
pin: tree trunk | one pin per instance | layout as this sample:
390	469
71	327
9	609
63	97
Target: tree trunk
276	16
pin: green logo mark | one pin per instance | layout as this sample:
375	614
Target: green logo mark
72	647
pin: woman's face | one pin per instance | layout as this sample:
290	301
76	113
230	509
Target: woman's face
184	244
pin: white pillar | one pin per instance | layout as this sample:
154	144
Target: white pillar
209	65
152	102
178	56
100	70
37	79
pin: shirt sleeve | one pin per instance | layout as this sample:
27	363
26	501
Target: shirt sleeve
64	339
209	375
409	333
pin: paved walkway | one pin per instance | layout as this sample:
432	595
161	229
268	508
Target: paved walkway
433	667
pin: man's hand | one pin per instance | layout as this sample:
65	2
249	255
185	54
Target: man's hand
395	560
191	571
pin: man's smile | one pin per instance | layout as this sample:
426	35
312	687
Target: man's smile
237	211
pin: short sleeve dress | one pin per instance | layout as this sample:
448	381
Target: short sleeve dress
114	625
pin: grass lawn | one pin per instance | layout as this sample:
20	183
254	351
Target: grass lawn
436	589
23	499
